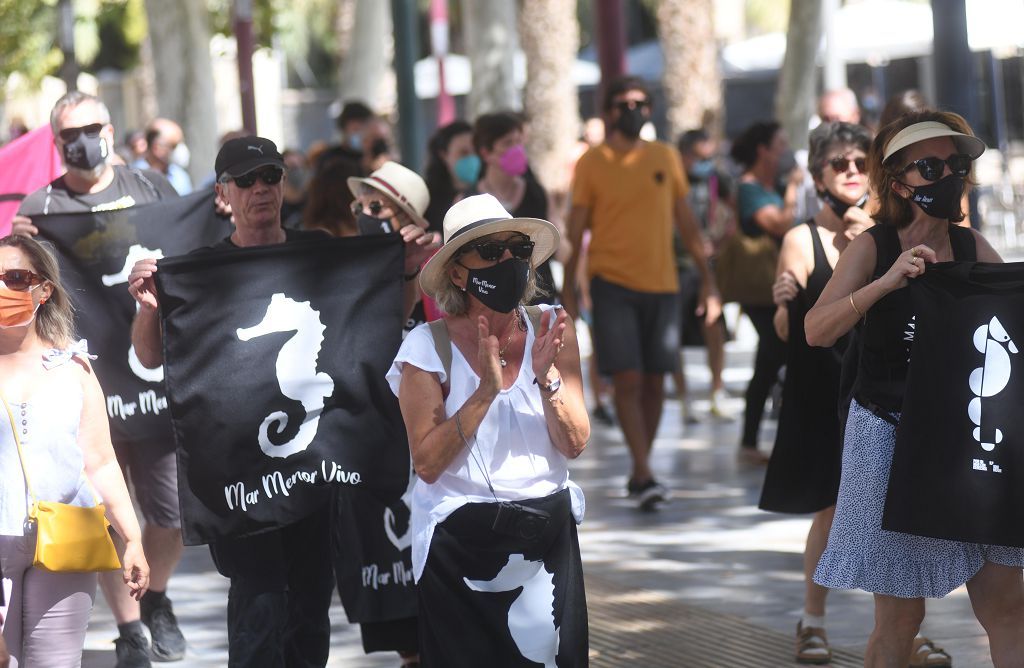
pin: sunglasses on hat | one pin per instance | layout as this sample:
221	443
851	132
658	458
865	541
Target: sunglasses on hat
841	164
20	280
269	175
69	135
931	168
491	251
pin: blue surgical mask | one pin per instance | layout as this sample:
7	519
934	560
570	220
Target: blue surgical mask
467	168
702	169
355	142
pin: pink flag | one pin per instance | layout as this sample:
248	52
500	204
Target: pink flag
26	164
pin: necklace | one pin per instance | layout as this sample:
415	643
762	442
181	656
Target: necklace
501	351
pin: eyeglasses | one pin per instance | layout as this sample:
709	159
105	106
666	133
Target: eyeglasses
20	279
931	168
491	251
69	135
841	164
270	176
629	105
375	206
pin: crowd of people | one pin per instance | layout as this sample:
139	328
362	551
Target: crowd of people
498	276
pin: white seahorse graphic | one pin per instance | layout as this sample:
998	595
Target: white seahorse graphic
135	253
296	370
990	378
531	618
405	540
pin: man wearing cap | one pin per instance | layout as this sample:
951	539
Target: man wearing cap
85	139
281	580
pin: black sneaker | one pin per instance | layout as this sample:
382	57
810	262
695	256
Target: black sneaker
632	488
650	494
603	415
168	642
132	651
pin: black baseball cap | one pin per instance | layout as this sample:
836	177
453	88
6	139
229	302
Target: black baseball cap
244	154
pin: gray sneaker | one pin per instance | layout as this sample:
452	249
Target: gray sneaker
132	651
168	642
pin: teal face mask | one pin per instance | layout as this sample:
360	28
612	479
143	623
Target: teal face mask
467	168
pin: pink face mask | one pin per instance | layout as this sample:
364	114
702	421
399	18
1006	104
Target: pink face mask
513	161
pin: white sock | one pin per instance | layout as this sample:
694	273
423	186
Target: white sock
809	621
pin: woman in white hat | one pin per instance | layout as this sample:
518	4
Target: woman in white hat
493	404
920	167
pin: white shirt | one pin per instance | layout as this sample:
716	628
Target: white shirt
512	444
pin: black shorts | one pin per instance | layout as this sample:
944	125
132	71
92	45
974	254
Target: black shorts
153	472
634	331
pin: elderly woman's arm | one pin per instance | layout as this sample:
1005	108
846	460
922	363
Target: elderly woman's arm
556	358
105	475
434	441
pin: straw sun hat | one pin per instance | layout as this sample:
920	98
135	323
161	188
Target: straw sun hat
479	216
400	184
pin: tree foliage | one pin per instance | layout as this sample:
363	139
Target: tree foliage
27	43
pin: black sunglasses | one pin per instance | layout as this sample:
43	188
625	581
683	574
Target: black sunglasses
841	164
375	207
270	176
20	279
931	168
629	105
491	251
69	135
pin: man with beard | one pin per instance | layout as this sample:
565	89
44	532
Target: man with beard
85	139
630	193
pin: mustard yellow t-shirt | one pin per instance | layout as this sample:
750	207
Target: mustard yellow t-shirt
631	197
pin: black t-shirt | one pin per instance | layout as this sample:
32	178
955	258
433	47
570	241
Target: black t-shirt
289	235
130	187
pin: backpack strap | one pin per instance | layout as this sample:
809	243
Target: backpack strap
534	313
443	346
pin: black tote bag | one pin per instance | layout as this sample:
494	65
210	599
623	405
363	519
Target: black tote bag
958	465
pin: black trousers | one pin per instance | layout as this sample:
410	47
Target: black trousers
771	356
281	588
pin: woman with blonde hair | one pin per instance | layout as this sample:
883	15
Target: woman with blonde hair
60	427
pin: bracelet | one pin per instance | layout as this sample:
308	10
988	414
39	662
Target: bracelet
409	277
458	425
854	305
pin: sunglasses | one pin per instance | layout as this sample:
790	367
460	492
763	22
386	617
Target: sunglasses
20	279
629	105
491	251
841	164
270	176
931	168
374	207
69	135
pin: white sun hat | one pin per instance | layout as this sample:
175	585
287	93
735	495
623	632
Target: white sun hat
912	134
400	184
479	216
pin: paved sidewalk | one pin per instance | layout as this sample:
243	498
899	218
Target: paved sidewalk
709	575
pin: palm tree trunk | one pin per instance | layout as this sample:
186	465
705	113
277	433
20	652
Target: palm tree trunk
794	98
490	34
692	81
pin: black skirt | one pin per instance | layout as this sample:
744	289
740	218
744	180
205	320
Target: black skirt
511	597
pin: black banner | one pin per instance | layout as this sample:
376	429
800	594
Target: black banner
96	252
275	360
958	466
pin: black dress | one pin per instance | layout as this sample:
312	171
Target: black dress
803	473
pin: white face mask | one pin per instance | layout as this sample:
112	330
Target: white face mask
180	156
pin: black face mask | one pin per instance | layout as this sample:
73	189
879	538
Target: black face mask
367	224
940	199
500	287
630	121
837	205
85	152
